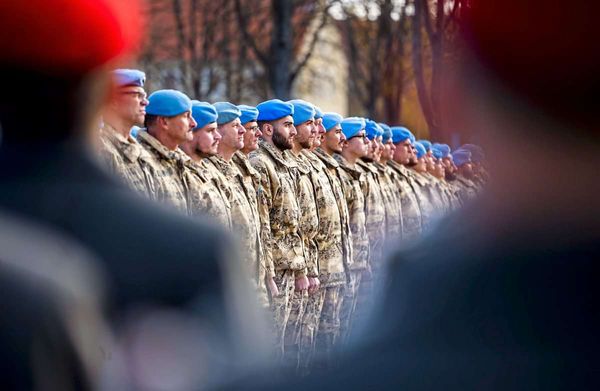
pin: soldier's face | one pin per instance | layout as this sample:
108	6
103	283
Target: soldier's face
284	133
403	152
320	133
307	132
334	140
180	127
439	169
130	104
232	135
429	160
206	140
388	149
251	136
358	145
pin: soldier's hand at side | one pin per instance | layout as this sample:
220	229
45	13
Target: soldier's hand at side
272	287
313	285
301	283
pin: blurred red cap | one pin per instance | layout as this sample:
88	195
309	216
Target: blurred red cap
68	37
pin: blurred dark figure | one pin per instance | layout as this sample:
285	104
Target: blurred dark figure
505	294
51	328
55	58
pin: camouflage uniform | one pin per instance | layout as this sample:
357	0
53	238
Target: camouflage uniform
426	201
467	189
356	189
278	205
205	197
412	225
335	247
436	195
125	158
168	168
391	202
309	226
250	182
245	215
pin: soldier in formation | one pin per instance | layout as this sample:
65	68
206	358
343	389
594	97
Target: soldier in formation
314	199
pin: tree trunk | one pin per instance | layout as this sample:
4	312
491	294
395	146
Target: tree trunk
281	49
417	59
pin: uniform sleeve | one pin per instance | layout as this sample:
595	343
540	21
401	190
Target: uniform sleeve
263	197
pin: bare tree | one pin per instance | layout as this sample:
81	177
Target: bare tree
375	46
284	43
437	18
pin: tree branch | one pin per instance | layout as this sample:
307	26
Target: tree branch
313	43
243	26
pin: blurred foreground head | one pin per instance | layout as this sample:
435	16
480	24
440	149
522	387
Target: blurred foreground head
55	57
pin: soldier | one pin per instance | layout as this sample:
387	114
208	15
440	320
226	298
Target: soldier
303	117
433	189
244	212
169	123
480	174
354	183
278	204
393	207
122	154
205	193
335	237
464	175
251	180
447	191
411	211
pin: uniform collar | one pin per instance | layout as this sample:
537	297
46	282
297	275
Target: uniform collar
243	164
355	171
156	145
326	158
276	154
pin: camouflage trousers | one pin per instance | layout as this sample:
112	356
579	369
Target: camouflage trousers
282	306
310	326
291	349
329	325
349	304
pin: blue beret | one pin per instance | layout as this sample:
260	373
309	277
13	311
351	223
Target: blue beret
227	112
274	109
477	154
318	113
331	119
303	111
352	125
373	129
437	153
387	132
399	134
204	113
249	114
168	103
443	148
420	149
461	156
129	77
426	144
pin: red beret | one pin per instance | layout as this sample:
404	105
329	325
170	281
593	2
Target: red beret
67	36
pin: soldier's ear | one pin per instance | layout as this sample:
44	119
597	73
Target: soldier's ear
267	129
163	122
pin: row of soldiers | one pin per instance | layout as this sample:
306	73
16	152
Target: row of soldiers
312	197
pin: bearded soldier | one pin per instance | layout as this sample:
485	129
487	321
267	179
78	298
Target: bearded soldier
278	205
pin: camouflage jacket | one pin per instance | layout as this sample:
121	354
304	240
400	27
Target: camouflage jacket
125	158
330	231
467	189
374	210
251	185
309	218
412	224
353	181
436	194
332	171
426	204
279	208
206	195
391	202
168	169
